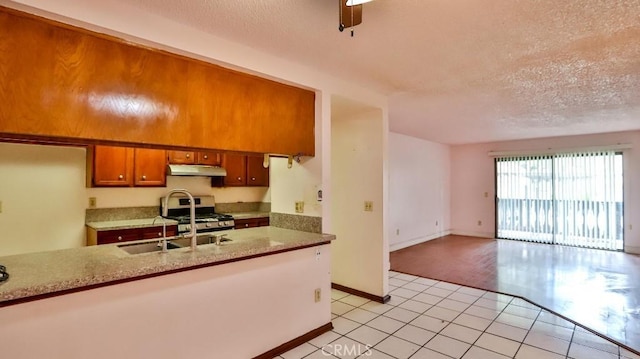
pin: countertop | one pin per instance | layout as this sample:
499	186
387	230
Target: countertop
128	224
45	273
248	215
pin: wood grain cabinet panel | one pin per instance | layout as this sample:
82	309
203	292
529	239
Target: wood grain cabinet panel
95	237
111	166
209	158
245	170
182	157
150	167
236	166
257	174
251	222
83	87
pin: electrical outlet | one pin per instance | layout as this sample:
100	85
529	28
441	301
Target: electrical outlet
368	206
486	194
317	295
0	206
93	202
436	223
479	223
317	254
299	207
397	231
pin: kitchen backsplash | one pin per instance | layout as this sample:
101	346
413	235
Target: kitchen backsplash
236	207
296	222
124	213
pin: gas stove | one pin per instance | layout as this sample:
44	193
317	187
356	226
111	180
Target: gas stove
207	220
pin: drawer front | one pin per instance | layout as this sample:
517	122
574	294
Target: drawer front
117	236
156	232
251	222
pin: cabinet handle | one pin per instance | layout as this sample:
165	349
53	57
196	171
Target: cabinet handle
239	179
246	225
188	155
119	238
159	234
206	157
144	178
253	178
120	176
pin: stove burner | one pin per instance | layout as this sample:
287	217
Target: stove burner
207	219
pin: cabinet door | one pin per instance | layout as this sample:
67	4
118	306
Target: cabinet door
182	157
150	167
112	166
236	166
209	158
257	175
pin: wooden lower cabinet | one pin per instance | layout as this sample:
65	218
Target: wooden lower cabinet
95	237
110	166
251	222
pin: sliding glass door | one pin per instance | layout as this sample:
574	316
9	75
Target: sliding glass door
571	199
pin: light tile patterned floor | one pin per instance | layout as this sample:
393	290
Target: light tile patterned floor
431	320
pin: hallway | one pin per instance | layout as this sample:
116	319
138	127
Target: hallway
598	289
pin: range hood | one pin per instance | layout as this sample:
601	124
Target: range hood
196	170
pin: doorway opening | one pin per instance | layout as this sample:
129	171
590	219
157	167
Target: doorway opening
573	199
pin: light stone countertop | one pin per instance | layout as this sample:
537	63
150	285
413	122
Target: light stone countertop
128	224
44	273
248	215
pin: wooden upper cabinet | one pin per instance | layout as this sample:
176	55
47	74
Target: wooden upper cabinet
199	158
209	158
111	166
87	88
236	166
150	167
245	170
182	157
257	174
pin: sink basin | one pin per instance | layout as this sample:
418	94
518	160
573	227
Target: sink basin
148	247
201	239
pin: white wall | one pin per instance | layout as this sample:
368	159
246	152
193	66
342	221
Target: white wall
360	252
419	188
472	174
43	198
236	310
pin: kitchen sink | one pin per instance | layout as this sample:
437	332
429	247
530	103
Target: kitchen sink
147	247
200	240
156	246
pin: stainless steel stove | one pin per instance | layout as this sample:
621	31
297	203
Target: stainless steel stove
207	220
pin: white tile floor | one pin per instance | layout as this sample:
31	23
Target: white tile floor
430	319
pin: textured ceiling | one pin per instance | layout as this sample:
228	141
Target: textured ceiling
456	71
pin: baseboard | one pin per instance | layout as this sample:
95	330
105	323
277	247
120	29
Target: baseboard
295	342
632	249
359	293
413	242
473	234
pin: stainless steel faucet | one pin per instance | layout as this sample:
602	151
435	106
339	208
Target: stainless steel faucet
164	232
192	215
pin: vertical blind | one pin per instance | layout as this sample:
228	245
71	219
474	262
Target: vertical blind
570	198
